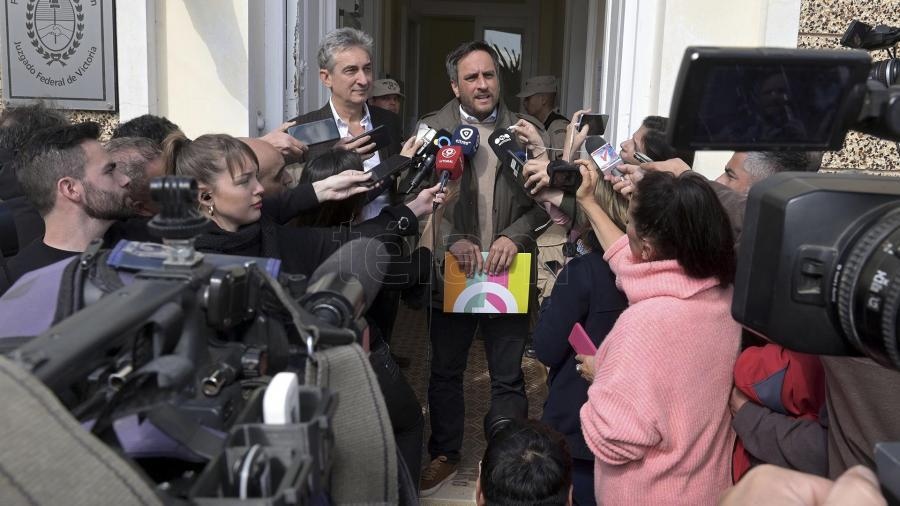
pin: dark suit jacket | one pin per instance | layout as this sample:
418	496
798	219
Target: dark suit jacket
379	117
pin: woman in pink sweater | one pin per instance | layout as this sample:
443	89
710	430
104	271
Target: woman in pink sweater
657	416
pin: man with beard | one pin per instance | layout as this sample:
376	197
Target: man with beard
493	214
77	189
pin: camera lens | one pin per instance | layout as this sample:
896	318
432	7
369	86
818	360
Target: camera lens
869	290
886	71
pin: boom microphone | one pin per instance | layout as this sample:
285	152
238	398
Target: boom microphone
346	283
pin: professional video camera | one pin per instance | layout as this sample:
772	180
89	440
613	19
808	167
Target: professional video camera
168	352
814	270
818	259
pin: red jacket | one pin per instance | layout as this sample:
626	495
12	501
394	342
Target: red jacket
784	381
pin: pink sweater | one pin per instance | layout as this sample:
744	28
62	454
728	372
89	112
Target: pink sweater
657	415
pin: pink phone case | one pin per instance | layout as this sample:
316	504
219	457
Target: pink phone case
580	341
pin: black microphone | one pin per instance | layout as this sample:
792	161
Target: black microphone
346	283
505	147
592	142
425	156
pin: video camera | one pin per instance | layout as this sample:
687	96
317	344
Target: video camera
169	359
818	258
814	269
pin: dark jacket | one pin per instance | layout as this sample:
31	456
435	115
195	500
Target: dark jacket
379	117
585	292
27	224
302	249
515	214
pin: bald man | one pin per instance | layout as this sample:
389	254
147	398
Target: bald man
273	174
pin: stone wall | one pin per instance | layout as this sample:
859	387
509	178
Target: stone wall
822	22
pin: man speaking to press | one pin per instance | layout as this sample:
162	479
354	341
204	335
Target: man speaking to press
493	213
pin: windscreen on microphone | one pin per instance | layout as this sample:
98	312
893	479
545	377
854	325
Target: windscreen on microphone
354	272
450	160
504	144
468	138
592	142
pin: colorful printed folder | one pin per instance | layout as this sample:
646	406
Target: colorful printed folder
483	293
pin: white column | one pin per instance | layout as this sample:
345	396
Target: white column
136	58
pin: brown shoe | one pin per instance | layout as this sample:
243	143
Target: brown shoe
435	475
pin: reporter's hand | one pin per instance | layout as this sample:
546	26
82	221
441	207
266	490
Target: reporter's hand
361	146
536	176
585	367
468	255
551	195
528	136
342	185
574	138
411	146
500	256
291	149
424	202
768	484
627	182
589	179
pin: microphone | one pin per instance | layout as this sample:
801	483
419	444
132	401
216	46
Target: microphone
346	283
449	165
466	137
425	156
604	154
506	148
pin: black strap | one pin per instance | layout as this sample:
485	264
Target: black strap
90	265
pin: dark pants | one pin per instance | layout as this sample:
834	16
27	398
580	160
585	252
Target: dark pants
583	482
403	407
451	338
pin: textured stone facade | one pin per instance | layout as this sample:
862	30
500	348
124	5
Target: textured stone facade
822	22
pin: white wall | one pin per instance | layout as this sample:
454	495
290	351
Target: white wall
646	39
202	48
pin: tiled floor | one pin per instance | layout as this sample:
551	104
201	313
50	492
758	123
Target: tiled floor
411	340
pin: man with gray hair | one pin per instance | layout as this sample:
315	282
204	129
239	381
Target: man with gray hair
345	68
746	168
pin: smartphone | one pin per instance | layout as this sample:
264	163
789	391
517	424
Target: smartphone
596	123
581	342
388	168
641	157
315	132
379	135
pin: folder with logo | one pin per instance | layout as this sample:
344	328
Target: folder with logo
506	293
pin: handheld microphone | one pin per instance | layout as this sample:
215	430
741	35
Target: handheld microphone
449	165
506	149
425	156
466	137
604	154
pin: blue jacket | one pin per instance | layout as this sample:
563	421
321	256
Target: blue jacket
585	292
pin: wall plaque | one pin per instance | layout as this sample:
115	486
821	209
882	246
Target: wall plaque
61	51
